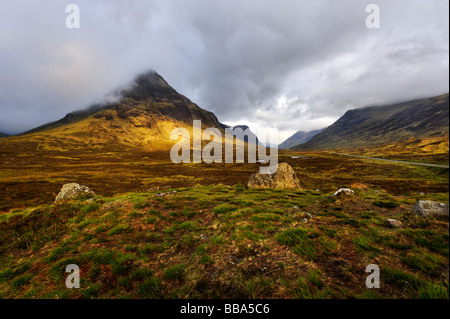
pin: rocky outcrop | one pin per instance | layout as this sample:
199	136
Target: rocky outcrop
284	177
73	190
430	208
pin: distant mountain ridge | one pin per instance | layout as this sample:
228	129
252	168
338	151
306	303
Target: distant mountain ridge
299	138
3	135
243	128
378	125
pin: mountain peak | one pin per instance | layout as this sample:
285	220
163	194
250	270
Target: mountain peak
148	85
143	116
151	78
299	138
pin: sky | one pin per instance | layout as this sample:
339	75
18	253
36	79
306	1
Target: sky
279	65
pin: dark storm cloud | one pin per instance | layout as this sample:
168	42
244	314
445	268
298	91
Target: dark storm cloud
291	65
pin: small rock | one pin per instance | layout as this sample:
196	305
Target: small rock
430	208
317	190
345	191
203	237
308	215
73	190
304	220
421	193
395	223
295	207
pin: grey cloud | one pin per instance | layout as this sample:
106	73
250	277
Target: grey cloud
292	65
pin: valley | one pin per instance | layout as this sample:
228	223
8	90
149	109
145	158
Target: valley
155	229
209	236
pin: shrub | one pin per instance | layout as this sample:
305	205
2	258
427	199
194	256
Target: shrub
150	288
92	291
222	209
188	226
433	291
294	236
123	264
175	272
365	243
265	217
90	208
140	274
424	262
206	260
22	280
386	204
117	229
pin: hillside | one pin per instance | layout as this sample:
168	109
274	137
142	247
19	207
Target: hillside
3	135
424	150
299	138
379	125
143	118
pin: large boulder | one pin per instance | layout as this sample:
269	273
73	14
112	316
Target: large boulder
284	177
430	208
73	190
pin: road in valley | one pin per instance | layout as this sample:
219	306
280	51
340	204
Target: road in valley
388	160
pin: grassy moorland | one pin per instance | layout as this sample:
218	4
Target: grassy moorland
29	177
425	150
225	242
213	237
